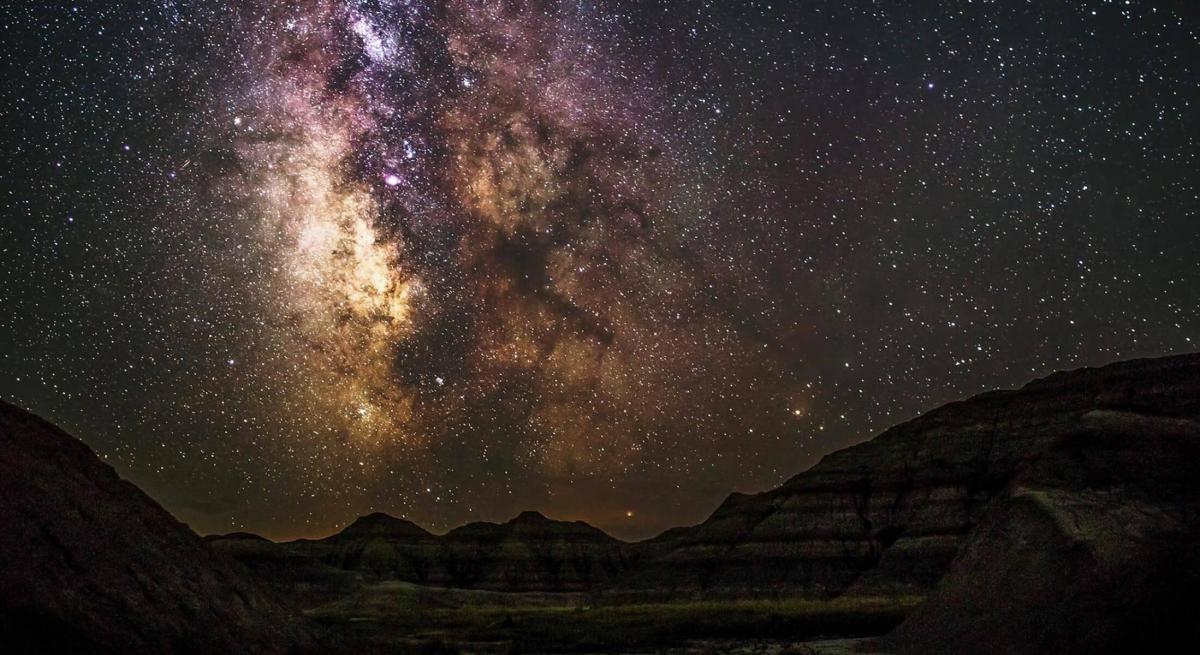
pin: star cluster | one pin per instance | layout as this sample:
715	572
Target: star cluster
286	263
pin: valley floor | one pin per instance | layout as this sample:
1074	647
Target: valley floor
403	617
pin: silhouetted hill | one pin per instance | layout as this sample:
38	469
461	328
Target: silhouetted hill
530	526
528	553
89	563
382	526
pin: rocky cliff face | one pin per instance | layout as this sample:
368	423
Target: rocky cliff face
88	563
890	515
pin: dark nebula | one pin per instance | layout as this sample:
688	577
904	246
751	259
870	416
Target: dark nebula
288	263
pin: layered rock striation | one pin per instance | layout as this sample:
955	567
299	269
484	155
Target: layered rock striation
890	514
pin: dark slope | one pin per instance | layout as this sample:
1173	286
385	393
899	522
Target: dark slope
89	563
1095	548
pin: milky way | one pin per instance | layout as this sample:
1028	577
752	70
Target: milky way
288	263
476	213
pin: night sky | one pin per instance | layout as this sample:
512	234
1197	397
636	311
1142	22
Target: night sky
286	263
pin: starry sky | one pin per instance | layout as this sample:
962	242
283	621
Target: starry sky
286	263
